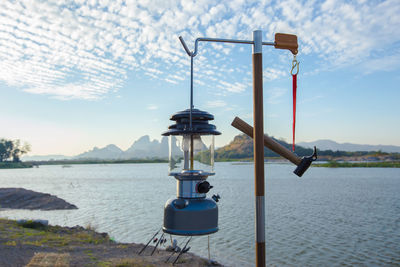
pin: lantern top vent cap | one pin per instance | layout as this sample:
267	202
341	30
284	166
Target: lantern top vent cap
200	123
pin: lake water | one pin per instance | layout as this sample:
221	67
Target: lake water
329	217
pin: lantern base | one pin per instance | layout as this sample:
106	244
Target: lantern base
190	217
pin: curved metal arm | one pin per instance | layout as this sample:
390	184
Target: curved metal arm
217	40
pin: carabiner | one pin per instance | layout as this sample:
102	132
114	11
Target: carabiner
295	65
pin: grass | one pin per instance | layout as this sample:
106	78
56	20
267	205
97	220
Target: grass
91	227
10	243
56	246
336	164
34	234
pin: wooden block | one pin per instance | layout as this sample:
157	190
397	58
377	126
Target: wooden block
286	41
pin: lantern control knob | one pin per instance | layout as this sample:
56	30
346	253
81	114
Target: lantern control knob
203	187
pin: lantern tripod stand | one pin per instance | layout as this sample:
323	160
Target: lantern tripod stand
282	41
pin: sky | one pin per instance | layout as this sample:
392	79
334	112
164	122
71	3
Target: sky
80	74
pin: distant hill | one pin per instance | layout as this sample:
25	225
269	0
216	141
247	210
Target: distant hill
334	146
242	148
108	152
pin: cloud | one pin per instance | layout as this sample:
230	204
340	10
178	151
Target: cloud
216	104
270	74
275	94
45	44
343	32
311	99
152	107
235	87
272	115
382	62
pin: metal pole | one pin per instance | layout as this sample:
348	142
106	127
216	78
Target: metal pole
191	91
258	144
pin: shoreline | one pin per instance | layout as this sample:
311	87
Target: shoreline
15	165
364	164
323	161
26	244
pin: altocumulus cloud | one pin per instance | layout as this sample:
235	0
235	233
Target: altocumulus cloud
86	49
216	103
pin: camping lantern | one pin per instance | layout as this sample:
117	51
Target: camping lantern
191	161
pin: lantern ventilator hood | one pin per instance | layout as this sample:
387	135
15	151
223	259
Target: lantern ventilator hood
200	123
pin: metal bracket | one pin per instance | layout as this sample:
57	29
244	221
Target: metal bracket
286	41
217	40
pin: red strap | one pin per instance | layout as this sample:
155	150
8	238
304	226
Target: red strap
294	107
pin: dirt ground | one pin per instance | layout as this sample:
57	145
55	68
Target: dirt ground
36	245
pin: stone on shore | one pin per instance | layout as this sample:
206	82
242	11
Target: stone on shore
20	198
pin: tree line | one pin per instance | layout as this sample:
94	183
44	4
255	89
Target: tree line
12	150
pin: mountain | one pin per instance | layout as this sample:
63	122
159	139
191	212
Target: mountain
144	148
334	146
108	152
242	148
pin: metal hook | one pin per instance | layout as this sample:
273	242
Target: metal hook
295	65
190	54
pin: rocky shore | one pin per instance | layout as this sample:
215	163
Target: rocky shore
20	198
31	244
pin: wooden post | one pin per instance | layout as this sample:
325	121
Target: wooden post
258	144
